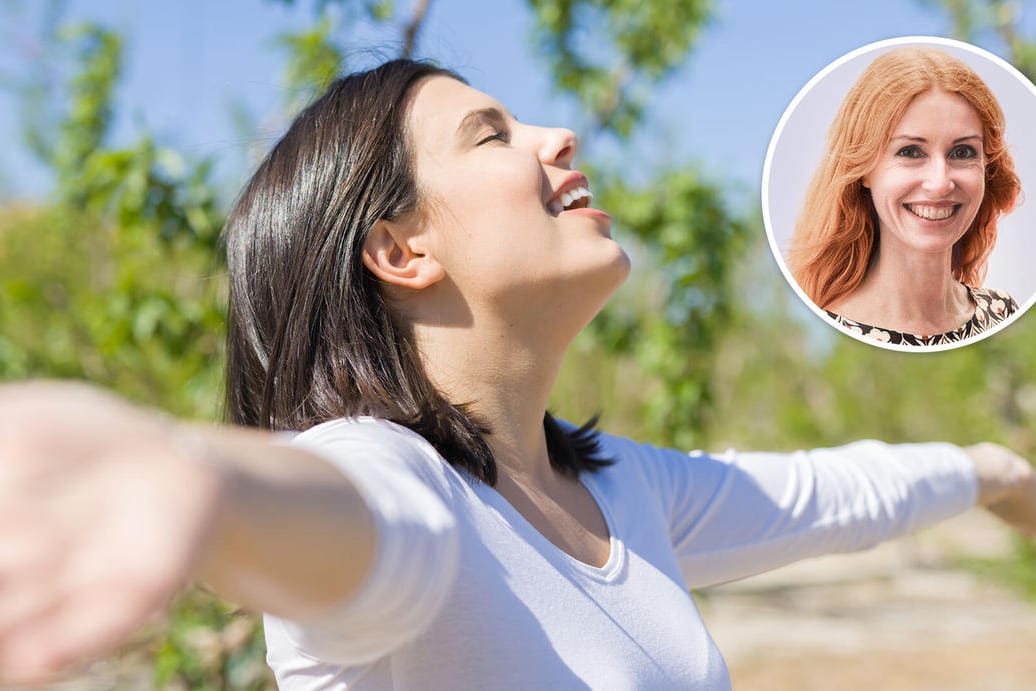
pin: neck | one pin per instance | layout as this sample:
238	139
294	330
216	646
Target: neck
499	353
504	380
910	292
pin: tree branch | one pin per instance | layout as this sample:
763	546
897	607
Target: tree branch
413	27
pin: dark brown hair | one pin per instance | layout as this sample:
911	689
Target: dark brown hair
311	338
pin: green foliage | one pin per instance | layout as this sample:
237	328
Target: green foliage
380	10
682	225
997	20
207	645
647	41
85	299
120	283
313	61
98	54
114	283
148	187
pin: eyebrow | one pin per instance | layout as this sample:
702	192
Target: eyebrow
473	120
922	140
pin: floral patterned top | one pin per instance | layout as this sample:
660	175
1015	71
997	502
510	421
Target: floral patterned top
991	308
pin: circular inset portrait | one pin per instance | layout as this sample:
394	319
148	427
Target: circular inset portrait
892	194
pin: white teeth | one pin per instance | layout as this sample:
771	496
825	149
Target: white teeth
575	194
931	213
567	199
579	193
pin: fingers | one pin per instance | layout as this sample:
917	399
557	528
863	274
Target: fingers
68	631
1001	472
63	602
1007	485
101	518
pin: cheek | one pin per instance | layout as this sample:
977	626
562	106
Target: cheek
522	185
894	184
977	183
491	191
880	186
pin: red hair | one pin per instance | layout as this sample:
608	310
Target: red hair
836	233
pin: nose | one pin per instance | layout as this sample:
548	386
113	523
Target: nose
558	146
938	180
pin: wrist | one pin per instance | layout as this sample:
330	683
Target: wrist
207	479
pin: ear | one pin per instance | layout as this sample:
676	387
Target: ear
866	181
396	255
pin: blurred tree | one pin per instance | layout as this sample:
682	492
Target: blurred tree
992	21
113	282
683	227
119	281
634	45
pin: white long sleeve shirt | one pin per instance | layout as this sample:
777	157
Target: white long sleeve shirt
466	594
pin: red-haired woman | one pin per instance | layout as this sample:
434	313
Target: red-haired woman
901	216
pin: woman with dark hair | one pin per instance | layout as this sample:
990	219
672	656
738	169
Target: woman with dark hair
408	267
901	215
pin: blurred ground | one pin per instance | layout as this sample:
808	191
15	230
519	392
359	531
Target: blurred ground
903	616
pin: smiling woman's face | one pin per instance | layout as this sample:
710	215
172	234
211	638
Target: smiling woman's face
493	190
929	182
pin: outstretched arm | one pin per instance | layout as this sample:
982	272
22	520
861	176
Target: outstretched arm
744	513
107	510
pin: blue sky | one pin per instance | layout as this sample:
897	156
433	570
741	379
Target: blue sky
188	63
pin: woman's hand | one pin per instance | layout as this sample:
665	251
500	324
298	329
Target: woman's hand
1007	485
103	517
106	510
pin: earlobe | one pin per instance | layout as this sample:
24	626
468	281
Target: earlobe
392	254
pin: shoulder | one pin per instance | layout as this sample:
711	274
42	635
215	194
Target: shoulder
875	332
989	295
626	450
358	430
665	470
367	440
991	307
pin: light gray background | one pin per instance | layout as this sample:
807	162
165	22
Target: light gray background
798	144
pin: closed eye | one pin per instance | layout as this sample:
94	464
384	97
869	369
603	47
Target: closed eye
500	135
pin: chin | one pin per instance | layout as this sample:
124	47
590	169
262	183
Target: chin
604	283
627	264
620	263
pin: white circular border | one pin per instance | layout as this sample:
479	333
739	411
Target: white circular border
881	46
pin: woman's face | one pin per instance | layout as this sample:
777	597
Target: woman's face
929	181
508	216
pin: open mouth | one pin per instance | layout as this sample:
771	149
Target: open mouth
576	196
932	213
